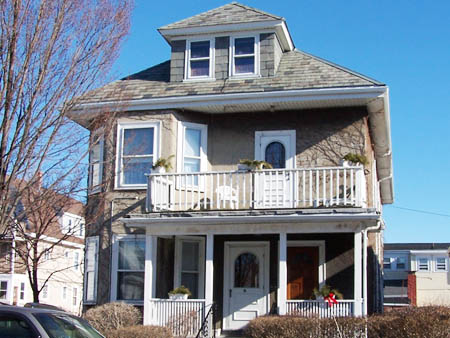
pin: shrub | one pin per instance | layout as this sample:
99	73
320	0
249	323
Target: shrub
423	322
140	331
112	316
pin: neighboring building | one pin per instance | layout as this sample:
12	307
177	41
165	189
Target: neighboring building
253	242
62	265
416	274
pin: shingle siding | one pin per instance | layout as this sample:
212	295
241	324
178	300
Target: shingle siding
222	57
177	61
266	48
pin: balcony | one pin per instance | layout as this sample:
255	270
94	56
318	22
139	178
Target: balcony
323	187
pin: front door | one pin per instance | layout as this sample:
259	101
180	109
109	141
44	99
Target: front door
246	281
275	189
302	271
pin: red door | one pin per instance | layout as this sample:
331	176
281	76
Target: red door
302	271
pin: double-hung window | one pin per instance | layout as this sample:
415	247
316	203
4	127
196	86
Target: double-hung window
441	264
90	269
200	59
244	56
128	268
137	150
423	264
76	260
387	263
192	150
22	291
400	263
95	162
3	289
189	264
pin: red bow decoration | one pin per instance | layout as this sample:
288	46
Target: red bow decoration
331	299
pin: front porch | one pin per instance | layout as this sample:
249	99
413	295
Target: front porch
341	251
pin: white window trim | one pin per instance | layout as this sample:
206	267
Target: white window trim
435	264
98	188
391	259
7	289
187	63
231	69
94	239
203	150
22	291
394	262
201	262
115	265
74	296
76	261
290	152
78	221
121	126
64	292
429	261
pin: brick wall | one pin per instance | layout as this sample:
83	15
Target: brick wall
412	288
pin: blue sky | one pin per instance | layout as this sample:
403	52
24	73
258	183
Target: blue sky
405	44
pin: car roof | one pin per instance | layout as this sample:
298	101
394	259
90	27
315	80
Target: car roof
19	309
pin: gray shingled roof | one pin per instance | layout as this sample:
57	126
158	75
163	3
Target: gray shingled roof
297	70
416	246
228	14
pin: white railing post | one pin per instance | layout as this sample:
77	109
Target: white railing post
148	201
357	273
150	277
209	269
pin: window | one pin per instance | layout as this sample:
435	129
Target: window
189	264
12	325
22	291
75	297
423	264
138	146
64	295
192	150
387	263
200	59
128	268
246	271
3	289
45	292
47	255
400	263
96	162
76	260
90	272
244	56
66	254
275	154
81	230
441	264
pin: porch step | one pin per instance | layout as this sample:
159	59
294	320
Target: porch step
232	334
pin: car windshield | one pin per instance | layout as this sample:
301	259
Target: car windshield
62	325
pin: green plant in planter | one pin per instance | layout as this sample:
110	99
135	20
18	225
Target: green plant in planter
163	163
181	290
325	291
356	158
255	164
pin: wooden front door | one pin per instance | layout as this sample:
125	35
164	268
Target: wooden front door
302	271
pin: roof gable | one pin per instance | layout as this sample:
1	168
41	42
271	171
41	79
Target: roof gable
232	13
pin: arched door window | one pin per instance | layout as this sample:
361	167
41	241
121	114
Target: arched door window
276	155
246	271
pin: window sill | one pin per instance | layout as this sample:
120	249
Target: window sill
245	77
203	79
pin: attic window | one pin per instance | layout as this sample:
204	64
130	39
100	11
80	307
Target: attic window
244	56
199	59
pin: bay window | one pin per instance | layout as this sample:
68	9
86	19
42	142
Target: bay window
128	268
137	149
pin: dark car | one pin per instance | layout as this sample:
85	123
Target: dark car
22	322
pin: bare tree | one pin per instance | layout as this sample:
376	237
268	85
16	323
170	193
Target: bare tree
51	52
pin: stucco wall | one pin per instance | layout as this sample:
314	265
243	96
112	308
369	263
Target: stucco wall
433	288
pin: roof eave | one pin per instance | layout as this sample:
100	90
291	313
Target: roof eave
279	26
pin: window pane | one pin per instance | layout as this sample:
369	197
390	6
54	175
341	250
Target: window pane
200	68
244	46
3	289
192	142
190	256
401	263
423	264
190	280
131	255
90	286
138	141
200	49
387	263
276	155
191	165
246	271
440	264
134	170
130	286
244	65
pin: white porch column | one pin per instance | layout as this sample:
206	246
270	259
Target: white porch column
358	274
209	269
364	286
282	277
150	276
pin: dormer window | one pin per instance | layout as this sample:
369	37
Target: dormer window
244	56
200	56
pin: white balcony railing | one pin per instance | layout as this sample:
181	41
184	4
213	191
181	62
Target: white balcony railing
320	308
266	189
183	317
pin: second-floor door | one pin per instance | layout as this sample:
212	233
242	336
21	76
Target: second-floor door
275	188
